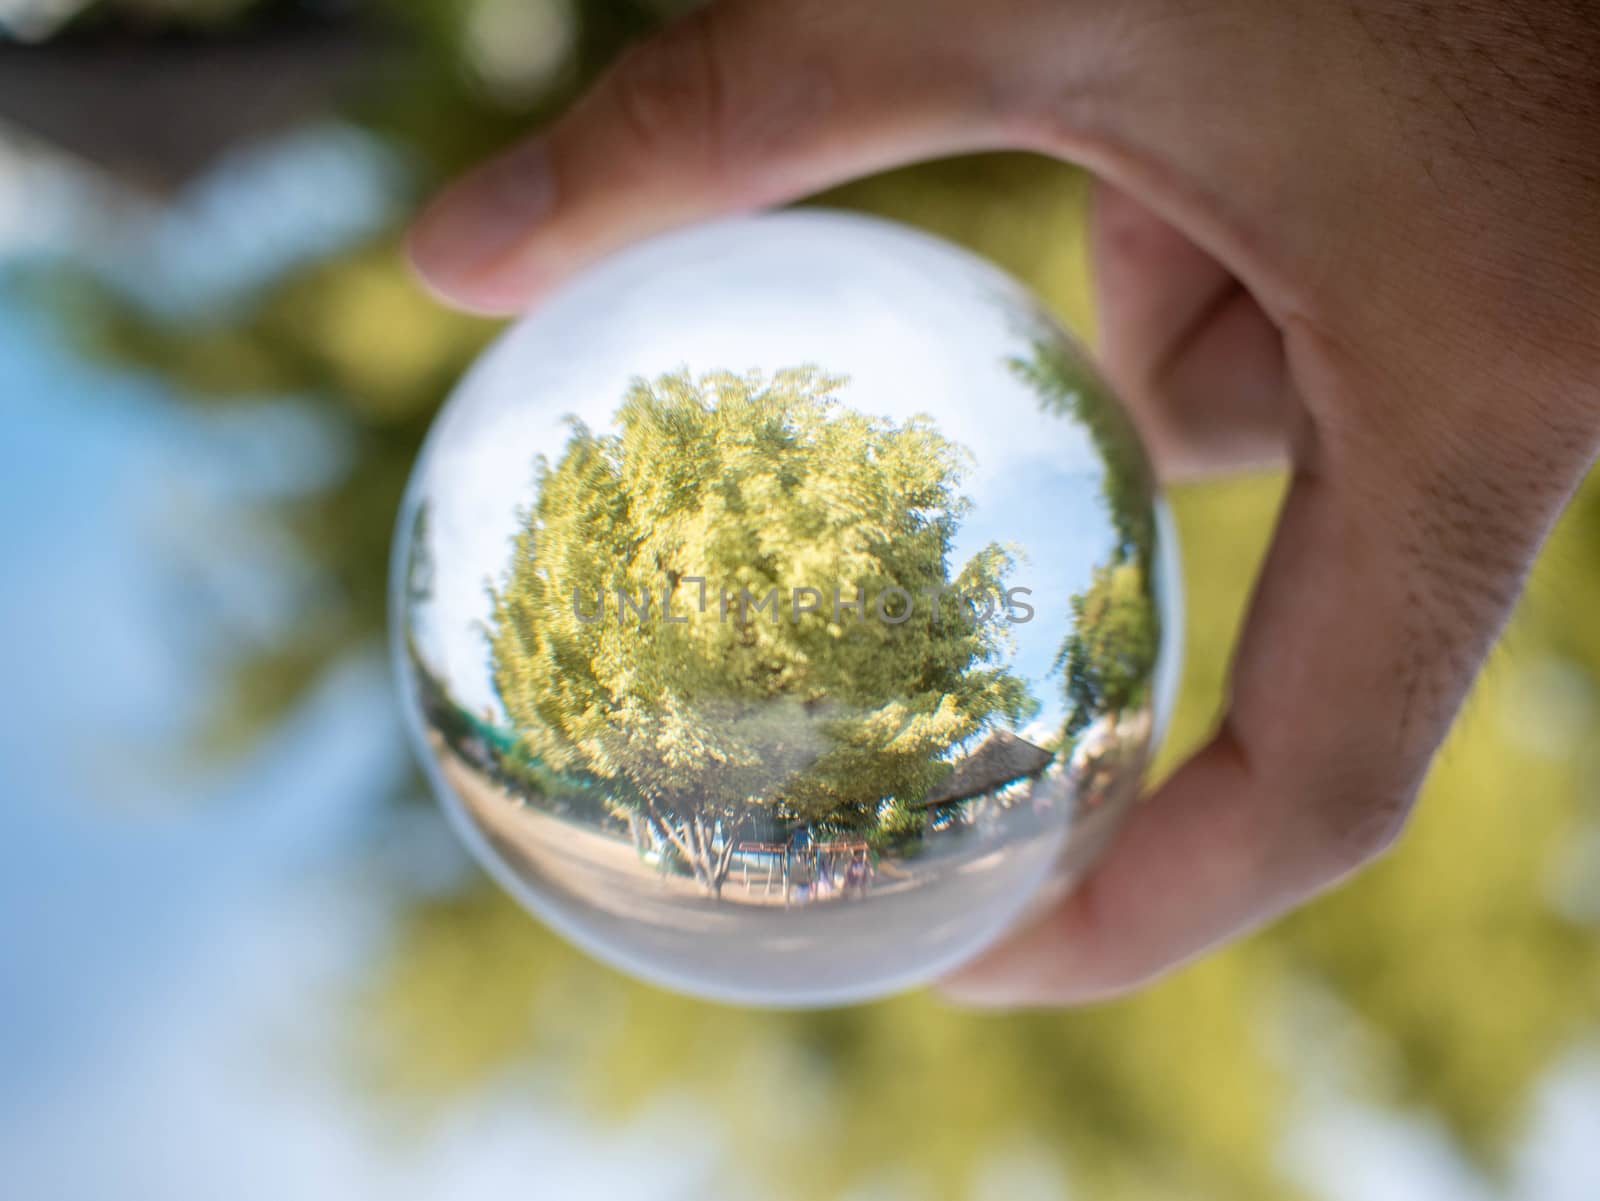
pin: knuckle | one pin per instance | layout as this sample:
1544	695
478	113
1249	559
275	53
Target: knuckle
1360	822
1064	119
715	95
670	91
1341	803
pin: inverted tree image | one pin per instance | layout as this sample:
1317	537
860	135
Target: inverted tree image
691	613
1109	655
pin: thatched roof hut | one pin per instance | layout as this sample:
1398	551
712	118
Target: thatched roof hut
1002	759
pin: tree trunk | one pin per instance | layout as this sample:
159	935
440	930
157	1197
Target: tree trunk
639	831
694	837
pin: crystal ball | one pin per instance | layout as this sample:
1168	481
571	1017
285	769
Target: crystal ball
785	607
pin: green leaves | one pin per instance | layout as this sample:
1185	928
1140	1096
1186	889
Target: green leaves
1068	386
1108	657
650	629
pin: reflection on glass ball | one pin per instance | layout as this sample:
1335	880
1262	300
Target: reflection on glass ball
783	607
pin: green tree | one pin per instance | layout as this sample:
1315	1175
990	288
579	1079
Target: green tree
1109	655
724	501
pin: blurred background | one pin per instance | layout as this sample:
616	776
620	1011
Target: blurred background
242	956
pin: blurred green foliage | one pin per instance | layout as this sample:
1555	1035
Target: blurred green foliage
1444	981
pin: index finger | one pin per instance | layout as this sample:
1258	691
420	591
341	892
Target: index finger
740	106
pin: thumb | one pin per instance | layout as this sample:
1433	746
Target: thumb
1397	557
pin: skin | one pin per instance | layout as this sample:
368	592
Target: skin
1361	239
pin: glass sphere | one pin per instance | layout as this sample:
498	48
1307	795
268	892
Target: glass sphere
784	606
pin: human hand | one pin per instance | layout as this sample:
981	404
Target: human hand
1362	238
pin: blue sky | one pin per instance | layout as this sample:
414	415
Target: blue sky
176	949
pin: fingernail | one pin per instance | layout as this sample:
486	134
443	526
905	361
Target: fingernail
472	232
